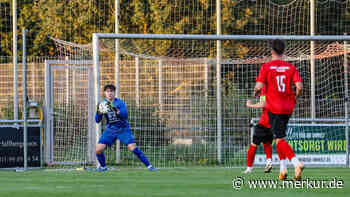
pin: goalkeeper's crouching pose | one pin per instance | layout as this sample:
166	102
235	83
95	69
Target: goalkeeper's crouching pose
118	127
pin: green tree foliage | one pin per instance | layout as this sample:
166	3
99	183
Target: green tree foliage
75	21
72	20
5	27
182	17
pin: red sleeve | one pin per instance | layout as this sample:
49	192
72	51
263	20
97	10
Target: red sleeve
262	74
296	77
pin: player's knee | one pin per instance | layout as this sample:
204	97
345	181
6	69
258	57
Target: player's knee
99	151
132	146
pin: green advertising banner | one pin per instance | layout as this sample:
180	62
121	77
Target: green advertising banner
314	144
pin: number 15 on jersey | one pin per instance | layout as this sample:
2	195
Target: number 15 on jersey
281	83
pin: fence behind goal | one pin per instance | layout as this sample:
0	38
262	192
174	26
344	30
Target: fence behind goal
69	113
170	88
172	85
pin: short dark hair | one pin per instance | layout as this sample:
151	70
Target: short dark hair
109	86
278	46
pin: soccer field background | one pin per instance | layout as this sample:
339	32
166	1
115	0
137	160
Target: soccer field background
186	98
166	182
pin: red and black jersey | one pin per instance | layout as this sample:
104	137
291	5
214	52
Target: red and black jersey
279	77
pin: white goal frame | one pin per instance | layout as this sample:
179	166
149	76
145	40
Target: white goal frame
50	65
96	64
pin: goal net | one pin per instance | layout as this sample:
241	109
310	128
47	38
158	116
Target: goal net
170	75
170	86
171	91
70	133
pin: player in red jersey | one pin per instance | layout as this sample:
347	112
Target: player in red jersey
262	134
279	76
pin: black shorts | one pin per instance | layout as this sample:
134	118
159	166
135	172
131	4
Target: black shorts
262	134
278	124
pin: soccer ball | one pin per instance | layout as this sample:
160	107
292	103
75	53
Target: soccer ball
103	107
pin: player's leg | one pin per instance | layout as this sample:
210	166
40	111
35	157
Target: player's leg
142	157
100	155
279	126
283	164
105	140
289	153
127	138
258	137
250	157
268	150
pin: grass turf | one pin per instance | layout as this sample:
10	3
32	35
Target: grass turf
189	182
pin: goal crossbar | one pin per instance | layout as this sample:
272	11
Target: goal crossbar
220	37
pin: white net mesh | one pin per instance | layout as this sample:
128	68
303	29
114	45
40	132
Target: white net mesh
185	63
171	97
76	20
72	106
180	117
174	120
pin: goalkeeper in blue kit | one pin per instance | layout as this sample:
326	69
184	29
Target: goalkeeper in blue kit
118	127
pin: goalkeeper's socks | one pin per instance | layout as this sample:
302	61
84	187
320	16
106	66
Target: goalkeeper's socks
286	149
142	157
268	150
101	159
251	155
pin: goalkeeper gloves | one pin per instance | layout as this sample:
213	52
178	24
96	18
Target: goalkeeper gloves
103	107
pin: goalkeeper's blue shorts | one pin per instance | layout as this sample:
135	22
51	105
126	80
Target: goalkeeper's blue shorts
109	137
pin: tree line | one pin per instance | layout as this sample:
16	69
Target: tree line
76	20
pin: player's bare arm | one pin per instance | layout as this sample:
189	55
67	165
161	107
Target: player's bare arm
260	104
299	88
258	88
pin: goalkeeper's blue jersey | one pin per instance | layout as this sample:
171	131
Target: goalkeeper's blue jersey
115	121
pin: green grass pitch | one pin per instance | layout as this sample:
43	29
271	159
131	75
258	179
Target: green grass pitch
189	182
